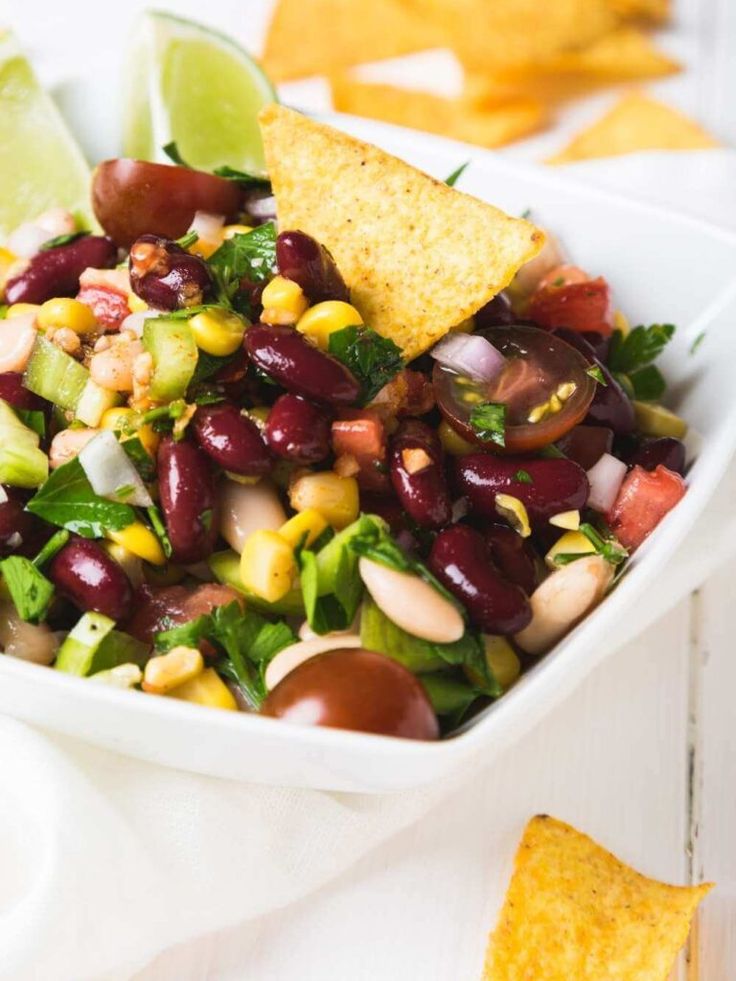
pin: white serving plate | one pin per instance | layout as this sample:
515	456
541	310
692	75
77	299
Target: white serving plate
662	267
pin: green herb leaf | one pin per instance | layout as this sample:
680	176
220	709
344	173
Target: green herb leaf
241	177
449	695
488	421
374	360
648	383
455	176
159	528
523	477
208	365
55	544
596	373
251	256
34	419
172	152
552	452
697	342
29	589
640	346
610	549
59	240
140	458
190	238
67	500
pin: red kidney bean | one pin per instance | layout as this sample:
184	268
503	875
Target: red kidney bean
664	450
417	473
288	357
56	272
461	560
611	406
585	445
165	276
386	507
308	263
16	394
601	343
231	439
496	313
85	574
298	430
21	533
188	499
513	555
556	485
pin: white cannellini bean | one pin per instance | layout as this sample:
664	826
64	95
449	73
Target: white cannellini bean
245	508
562	600
26	641
305	632
412	604
17	336
26	240
291	657
67	444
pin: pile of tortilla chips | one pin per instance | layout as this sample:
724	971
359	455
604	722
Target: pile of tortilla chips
521	58
574	912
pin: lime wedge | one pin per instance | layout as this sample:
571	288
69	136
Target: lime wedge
40	164
188	84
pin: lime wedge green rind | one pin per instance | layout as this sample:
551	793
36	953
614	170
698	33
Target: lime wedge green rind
189	84
41	166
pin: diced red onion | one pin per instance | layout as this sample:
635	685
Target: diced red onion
207	225
27	239
605	479
261	207
469	354
110	470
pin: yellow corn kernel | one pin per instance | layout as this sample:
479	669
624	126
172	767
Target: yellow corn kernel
259	415
304	528
139	540
123	420
207	689
171	670
336	498
502	660
64	312
132	565
283	301
452	442
218	332
20	309
164	575
121	676
571	543
7	260
325	318
621	322
514	511
230	230
538	412
136	304
205	247
267	565
569	520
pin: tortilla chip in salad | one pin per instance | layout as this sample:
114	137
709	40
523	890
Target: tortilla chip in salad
419	257
324	36
635	122
575	912
624	55
455	118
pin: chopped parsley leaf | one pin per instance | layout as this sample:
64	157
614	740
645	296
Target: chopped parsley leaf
488	420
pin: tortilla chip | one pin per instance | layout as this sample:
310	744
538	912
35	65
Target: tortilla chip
502	32
417	255
318	37
622	56
635	122
653	11
455	118
574	912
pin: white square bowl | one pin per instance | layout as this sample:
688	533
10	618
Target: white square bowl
662	267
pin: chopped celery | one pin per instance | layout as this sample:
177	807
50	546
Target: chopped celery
225	567
55	375
172	346
94	645
22	463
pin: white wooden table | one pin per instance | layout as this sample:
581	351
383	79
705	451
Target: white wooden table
642	757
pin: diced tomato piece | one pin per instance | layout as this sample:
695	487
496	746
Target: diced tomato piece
109	307
360	434
578	306
644	499
410	393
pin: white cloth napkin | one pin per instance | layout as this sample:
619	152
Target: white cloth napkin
106	860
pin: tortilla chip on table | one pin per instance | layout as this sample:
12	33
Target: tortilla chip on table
635	122
455	118
315	37
575	912
419	257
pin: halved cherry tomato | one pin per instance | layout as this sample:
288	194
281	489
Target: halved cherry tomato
132	197
361	434
109	307
540	367
579	306
644	499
